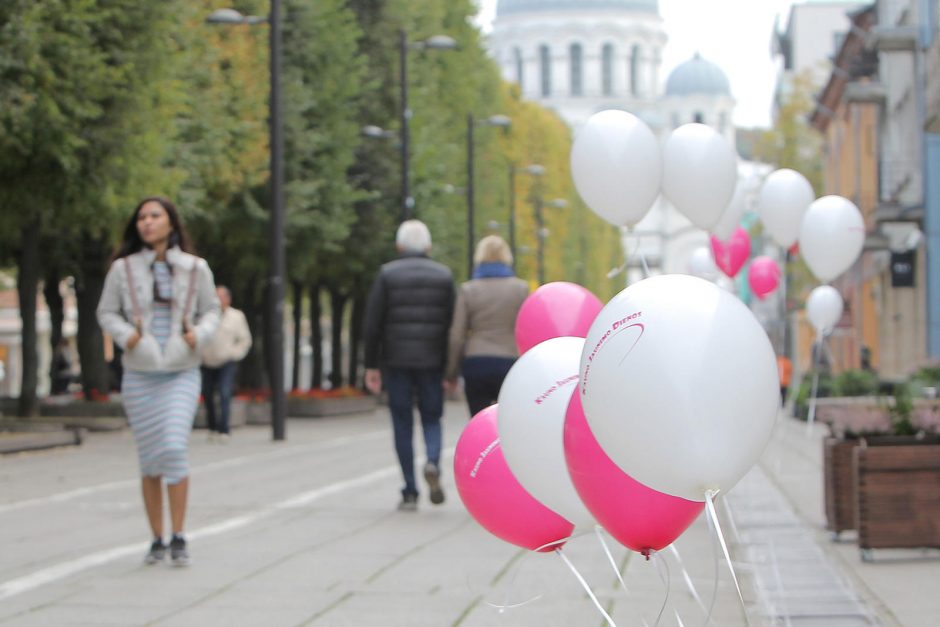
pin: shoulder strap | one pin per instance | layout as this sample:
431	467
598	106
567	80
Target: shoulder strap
189	292
133	291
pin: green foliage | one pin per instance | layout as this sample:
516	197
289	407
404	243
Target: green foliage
855	383
825	388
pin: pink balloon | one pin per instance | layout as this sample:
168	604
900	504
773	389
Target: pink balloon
639	517
763	276
731	255
494	497
555	310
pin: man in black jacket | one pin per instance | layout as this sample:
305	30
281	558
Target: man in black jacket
407	321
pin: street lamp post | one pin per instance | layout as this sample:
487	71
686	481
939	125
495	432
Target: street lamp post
437	42
542	231
277	260
493	120
535	170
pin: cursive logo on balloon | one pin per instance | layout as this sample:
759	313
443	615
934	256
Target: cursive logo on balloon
615	330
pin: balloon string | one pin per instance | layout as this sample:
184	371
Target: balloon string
510	585
610	558
687	578
715	559
586	587
811	416
710	507
666	578
678	618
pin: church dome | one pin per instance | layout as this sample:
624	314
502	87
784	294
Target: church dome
697	76
507	7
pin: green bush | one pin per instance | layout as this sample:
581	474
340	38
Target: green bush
824	389
855	383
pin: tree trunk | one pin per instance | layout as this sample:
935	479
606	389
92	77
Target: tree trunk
251	370
337	306
298	319
355	336
56	305
92	270
316	337
27	283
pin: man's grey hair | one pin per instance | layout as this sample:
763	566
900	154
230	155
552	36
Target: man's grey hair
413	237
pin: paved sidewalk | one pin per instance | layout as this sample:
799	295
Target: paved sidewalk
305	532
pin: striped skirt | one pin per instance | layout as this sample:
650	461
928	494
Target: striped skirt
160	407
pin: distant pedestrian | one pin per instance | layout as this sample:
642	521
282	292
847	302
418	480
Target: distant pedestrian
159	305
407	319
785	370
482	335
220	358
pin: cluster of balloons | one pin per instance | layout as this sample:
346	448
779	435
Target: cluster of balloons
626	415
619	169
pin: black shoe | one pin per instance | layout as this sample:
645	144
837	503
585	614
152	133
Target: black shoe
409	503
432	474
179	556
156	553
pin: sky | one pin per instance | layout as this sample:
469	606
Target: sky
735	34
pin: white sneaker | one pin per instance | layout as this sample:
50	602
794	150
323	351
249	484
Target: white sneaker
210	437
224	438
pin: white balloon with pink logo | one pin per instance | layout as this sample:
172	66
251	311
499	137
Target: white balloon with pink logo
679	385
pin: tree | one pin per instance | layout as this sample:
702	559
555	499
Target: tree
80	104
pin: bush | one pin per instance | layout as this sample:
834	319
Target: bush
855	383
823	390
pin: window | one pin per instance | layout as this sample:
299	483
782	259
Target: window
698	118
607	70
635	71
545	67
517	59
576	74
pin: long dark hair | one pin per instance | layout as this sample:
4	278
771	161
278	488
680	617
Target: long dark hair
131	242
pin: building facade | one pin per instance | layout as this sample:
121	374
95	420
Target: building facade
578	57
887	86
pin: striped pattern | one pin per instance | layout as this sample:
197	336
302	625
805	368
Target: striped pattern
160	324
160	407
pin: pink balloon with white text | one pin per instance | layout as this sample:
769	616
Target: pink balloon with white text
556	309
763	276
637	516
493	495
730	256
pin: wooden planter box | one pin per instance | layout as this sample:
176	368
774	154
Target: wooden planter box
898	493
301	407
839	484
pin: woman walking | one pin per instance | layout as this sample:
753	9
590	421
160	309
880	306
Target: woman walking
160	306
482	334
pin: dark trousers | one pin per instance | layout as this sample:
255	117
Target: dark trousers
223	380
482	378
402	385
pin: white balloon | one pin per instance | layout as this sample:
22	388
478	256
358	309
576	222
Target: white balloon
700	171
824	308
702	265
616	165
731	216
831	236
533	401
679	385
784	198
